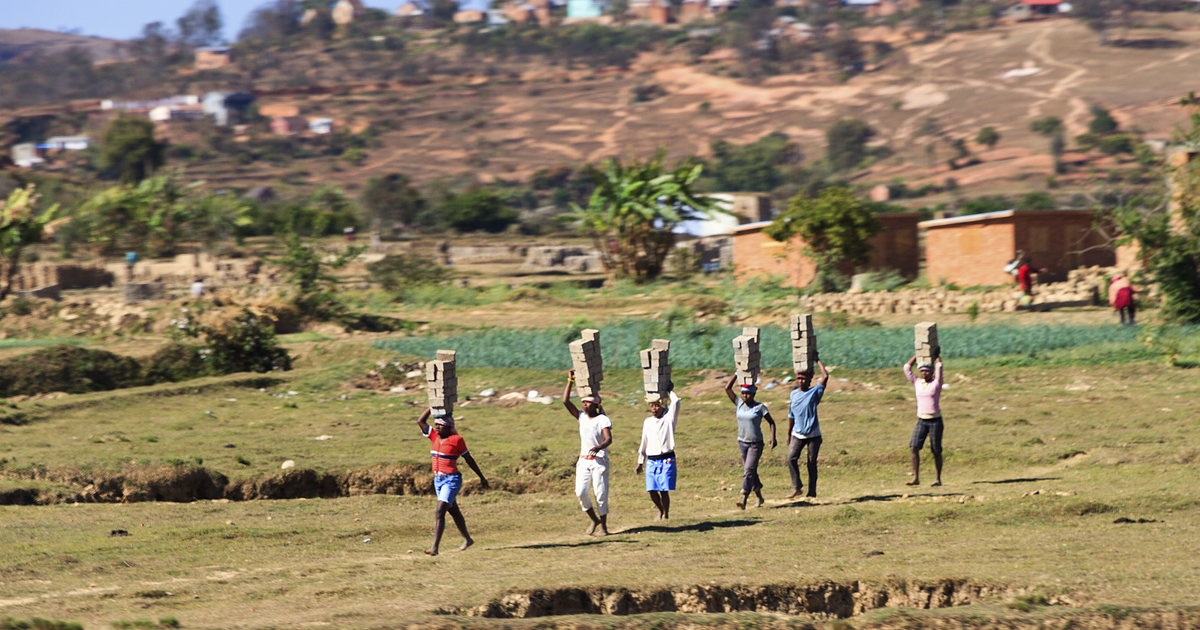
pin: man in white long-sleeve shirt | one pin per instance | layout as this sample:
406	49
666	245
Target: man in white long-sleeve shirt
658	446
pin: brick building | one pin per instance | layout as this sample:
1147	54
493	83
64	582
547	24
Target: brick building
213	57
974	249
755	253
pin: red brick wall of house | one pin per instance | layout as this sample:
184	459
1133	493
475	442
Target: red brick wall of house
1061	241
970	254
896	247
756	254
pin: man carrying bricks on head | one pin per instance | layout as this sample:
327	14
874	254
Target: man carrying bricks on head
929	416
591	471
446	446
658	446
804	429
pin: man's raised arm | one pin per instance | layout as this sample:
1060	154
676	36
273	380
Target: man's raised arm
566	399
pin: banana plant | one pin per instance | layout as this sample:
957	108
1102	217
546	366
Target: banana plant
20	227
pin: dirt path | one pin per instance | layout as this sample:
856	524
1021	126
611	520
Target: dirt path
1040	49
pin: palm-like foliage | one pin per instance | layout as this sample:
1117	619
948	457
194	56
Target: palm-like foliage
19	228
634	210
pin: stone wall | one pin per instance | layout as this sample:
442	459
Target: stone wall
563	258
487	254
32	276
185	268
1084	287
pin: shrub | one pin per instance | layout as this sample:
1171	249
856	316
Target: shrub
478	210
245	343
396	272
176	362
69	369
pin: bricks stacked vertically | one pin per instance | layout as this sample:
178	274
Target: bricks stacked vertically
804	343
656	369
588	364
441	383
746	357
926	342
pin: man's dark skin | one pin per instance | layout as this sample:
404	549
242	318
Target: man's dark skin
804	382
599	523
439	525
927	376
661	499
748	398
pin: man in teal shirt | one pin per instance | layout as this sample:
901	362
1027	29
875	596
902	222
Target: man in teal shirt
804	429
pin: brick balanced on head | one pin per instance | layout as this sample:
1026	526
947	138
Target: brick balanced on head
441	383
588	363
925	342
656	370
746	357
804	343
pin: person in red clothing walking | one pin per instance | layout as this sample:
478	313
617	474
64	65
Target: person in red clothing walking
1025	276
445	447
1120	296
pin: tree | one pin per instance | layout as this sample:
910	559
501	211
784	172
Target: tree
835	228
150	217
392	199
214	219
478	210
201	25
1165	225
272	23
1051	127
634	210
129	150
847	143
753	167
1036	200
19	228
443	10
1102	121
988	136
309	273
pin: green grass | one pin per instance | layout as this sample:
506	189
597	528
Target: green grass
1126	447
6	344
708	346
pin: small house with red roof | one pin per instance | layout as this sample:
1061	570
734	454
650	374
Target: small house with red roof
1027	9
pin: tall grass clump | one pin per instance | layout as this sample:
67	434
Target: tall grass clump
709	345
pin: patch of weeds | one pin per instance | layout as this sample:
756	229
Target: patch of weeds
846	515
198	460
174	461
242	460
148	438
1020	422
151	594
38	623
841	624
986	421
1070	454
943	516
1093	507
168	622
180	426
133	623
290	404
1026	603
1032	442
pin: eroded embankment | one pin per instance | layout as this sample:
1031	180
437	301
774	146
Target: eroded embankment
822	599
182	484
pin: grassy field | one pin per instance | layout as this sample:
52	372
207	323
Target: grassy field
1040	461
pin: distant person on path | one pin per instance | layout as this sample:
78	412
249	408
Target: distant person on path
591	471
804	429
929	416
1025	276
131	259
750	415
658	446
198	287
1120	296
445	447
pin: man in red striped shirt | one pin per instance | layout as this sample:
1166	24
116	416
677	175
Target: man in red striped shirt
445	447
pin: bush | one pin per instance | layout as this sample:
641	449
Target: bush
478	210
396	272
176	362
69	369
244	343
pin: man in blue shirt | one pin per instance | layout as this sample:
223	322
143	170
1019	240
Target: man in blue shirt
804	429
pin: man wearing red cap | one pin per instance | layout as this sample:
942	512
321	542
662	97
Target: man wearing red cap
446	446
591	470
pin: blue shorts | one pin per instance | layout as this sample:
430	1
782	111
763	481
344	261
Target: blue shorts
447	487
660	475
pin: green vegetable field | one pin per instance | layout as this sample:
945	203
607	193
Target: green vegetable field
709	346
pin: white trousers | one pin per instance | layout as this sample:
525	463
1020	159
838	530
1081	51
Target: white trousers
593	473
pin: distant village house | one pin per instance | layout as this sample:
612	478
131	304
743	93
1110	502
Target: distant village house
288	125
213	57
346	11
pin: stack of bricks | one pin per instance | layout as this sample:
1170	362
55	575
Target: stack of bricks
804	344
442	384
746	357
588	364
656	370
926	343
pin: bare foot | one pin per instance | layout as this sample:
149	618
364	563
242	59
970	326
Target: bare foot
431	552
741	504
603	531
666	517
936	483
914	482
793	495
467	543
592	530
759	503
659	517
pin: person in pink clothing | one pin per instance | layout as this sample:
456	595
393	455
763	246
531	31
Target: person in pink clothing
1120	297
928	389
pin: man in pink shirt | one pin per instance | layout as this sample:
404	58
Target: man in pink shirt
929	416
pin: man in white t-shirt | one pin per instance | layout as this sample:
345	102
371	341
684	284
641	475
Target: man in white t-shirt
591	471
198	287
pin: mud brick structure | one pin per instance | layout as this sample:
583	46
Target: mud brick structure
588	364
926	342
804	343
441	383
656	369
746	357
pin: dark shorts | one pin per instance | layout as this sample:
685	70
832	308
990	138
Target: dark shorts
932	428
